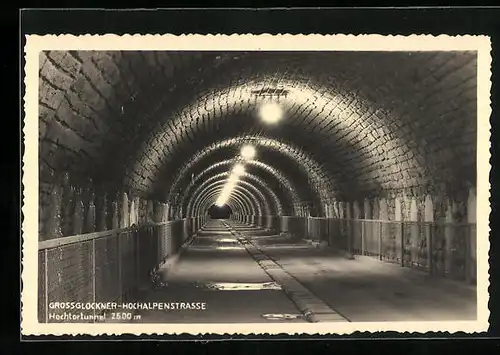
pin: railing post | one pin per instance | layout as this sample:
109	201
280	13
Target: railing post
120	286
467	258
402	245
363	226
327	230
93	276
46	252
429	241
137	253
349	237
380	231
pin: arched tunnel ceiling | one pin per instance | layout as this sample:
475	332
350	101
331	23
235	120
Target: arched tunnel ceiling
271	176
241	200
256	184
280	157
355	123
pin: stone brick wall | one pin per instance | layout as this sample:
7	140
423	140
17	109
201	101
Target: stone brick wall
286	192
439	205
377	125
68	209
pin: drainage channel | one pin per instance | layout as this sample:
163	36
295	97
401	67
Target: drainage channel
313	309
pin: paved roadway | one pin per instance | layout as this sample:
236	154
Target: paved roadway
218	270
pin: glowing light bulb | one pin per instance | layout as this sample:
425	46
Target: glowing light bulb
233	178
239	169
271	112
248	152
221	201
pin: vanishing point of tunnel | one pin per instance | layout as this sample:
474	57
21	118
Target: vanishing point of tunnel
257	186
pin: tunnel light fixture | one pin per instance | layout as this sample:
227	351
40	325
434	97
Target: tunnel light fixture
230	184
227	190
271	92
270	112
220	203
223	198
248	152
239	169
233	179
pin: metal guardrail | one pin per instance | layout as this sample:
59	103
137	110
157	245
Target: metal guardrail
108	266
446	249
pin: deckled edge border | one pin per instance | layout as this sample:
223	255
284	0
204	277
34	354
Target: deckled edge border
204	329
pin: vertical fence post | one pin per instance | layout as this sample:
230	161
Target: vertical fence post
363	226
467	258
328	235
379	240
93	277
306	227
327	230
120	280
137	259
348	231
46	253
429	241
402	253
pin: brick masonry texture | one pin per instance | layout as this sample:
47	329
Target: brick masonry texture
276	181
371	125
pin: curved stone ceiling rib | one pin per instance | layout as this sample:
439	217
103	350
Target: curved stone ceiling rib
272	171
235	200
222	179
380	121
257	198
277	206
317	180
242	191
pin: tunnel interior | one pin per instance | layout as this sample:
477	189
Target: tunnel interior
333	133
372	152
219	212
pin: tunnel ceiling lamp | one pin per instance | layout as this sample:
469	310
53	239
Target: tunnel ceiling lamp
273	92
224	197
238	169
228	189
220	203
233	179
271	112
248	152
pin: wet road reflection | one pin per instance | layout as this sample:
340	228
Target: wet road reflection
217	270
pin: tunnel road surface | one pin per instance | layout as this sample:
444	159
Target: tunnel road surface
245	274
217	270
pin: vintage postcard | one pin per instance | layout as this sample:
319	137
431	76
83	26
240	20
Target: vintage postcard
255	184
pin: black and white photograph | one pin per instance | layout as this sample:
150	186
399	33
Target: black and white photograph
256	184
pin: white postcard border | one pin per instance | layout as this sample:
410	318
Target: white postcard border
36	43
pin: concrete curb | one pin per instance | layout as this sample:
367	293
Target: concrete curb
344	253
324	245
168	264
316	243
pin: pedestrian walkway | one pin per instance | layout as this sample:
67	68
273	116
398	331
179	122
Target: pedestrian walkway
366	289
217	270
248	274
